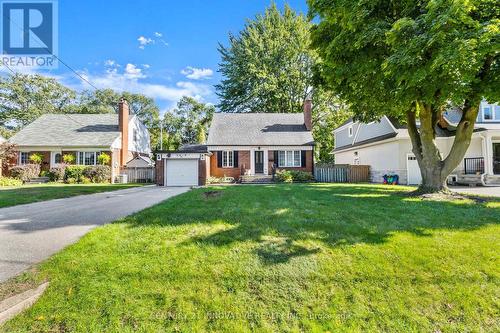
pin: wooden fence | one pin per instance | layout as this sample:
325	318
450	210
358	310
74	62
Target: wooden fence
139	175
342	173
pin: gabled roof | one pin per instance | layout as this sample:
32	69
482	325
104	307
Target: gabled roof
259	129
80	130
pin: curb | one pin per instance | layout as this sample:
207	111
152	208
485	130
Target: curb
17	303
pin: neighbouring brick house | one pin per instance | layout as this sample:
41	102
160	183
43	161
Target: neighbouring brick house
122	136
243	144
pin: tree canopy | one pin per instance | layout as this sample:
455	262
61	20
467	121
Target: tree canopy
268	67
412	59
23	98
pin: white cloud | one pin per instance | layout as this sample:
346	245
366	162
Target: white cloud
143	41
146	66
132	80
158	34
194	73
133	72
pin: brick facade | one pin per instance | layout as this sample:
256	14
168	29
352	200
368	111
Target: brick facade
160	172
236	172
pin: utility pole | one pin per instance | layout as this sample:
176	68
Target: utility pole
161	134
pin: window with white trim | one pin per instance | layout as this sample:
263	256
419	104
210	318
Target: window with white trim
227	159
24	158
87	157
491	112
289	158
350	131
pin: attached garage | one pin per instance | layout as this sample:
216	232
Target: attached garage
187	166
182	172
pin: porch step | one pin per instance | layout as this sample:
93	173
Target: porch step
256	179
492	179
38	180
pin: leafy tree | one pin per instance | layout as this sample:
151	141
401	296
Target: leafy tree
413	60
194	118
268	67
23	98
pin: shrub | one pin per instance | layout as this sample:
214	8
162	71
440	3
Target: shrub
70	180
56	174
301	176
36	158
98	173
289	176
75	173
68	158
85	180
25	172
4	181
103	159
284	176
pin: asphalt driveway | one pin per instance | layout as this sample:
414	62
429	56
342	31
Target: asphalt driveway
33	232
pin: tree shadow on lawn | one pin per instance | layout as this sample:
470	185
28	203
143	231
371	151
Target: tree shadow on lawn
286	221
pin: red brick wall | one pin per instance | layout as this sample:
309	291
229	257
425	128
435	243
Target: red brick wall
243	163
160	172
202	172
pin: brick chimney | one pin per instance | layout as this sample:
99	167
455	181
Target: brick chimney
123	113
308	114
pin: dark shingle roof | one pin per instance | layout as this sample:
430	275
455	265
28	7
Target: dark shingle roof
264	129
70	130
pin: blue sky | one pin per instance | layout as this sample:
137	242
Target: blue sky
164	49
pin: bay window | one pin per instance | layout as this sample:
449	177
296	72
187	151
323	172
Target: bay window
289	158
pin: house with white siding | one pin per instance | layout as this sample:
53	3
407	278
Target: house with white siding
385	145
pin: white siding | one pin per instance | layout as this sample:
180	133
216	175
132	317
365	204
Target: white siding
141	144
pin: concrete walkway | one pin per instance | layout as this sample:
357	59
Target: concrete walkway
33	232
491	191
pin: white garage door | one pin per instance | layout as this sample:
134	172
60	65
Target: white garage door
182	173
414	175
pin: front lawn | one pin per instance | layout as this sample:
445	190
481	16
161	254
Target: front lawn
11	196
280	258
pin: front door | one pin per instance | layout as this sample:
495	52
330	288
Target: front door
496	158
259	161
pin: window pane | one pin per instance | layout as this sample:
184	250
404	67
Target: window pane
289	158
297	158
80	158
281	158
58	158
497	112
224	158
487	113
230	159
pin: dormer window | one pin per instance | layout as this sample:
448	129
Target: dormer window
487	113
350	131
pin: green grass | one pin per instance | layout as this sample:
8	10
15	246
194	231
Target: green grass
11	196
293	258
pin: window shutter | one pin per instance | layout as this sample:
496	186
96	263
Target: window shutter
235	159
219	159
303	158
276	156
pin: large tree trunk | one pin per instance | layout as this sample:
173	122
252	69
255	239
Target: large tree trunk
433	168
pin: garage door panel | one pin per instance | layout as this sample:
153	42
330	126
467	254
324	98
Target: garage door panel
182	172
